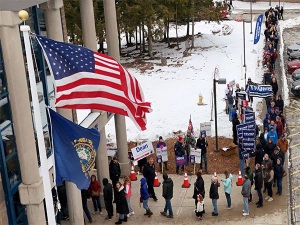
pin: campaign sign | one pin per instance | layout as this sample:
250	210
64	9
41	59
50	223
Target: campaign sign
141	151
195	155
158	158
240	128
203	133
206	127
248	144
241	95
163	153
250	126
249	117
181	160
111	152
192	159
260	90
248	134
195	152
245	155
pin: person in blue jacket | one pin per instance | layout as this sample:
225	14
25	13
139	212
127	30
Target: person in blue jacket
145	196
272	134
227	187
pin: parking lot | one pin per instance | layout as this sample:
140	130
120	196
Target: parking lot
290	36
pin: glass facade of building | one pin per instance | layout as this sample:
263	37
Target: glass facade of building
9	164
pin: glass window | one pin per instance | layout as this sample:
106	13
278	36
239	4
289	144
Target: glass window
13	171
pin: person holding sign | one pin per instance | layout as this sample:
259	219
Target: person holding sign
189	142
235	122
202	144
161	144
179	151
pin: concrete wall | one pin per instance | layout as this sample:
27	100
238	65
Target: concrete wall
3	213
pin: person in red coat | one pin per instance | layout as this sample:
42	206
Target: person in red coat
280	129
94	191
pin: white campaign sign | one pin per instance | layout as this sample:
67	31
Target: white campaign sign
163	152
142	151
197	154
207	127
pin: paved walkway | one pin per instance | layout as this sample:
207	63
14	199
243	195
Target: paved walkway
183	206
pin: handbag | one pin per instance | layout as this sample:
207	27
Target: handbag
95	193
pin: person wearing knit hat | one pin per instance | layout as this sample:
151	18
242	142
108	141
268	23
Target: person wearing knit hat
179	151
161	144
167	193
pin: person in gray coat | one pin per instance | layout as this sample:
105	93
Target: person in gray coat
246	193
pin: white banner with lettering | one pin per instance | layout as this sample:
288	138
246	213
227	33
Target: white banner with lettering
141	151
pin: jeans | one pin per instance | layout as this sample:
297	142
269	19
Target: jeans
228	199
168	206
246	206
279	185
230	112
214	202
96	203
242	167
260	198
145	204
203	158
129	205
86	210
269	188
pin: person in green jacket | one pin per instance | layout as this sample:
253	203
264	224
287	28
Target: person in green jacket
189	142
250	176
228	187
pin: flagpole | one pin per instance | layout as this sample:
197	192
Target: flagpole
39	128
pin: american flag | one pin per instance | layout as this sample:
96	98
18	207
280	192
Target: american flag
89	80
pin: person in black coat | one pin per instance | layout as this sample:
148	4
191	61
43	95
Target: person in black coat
62	196
199	188
262	139
121	203
279	103
84	197
149	174
108	198
202	144
214	195
258	184
114	171
235	122
167	193
274	85
179	151
259	154
269	147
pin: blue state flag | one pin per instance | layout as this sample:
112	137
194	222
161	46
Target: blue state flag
258	28
74	150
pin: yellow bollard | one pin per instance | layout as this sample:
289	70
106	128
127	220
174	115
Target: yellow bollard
200	99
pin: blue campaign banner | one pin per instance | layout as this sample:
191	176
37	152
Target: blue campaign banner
260	90
249	117
248	134
258	28
181	160
248	144
250	126
240	128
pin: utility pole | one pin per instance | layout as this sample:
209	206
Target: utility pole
251	15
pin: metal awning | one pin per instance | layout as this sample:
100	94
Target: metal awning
17	5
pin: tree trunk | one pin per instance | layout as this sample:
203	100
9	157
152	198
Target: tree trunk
127	40
119	37
141	49
193	24
143	33
149	39
188	27
136	39
168	32
165	30
177	28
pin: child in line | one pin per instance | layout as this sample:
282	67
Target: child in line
128	194
200	207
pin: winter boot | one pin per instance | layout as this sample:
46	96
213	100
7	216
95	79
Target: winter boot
125	219
147	213
150	213
119	222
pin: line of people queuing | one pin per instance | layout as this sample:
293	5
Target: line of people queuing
271	143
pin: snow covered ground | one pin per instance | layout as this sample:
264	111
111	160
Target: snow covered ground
173	90
239	5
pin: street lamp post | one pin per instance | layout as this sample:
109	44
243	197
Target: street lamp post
251	14
219	81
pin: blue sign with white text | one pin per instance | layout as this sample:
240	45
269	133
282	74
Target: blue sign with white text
249	117
248	134
248	144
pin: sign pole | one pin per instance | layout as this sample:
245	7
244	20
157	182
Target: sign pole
194	168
